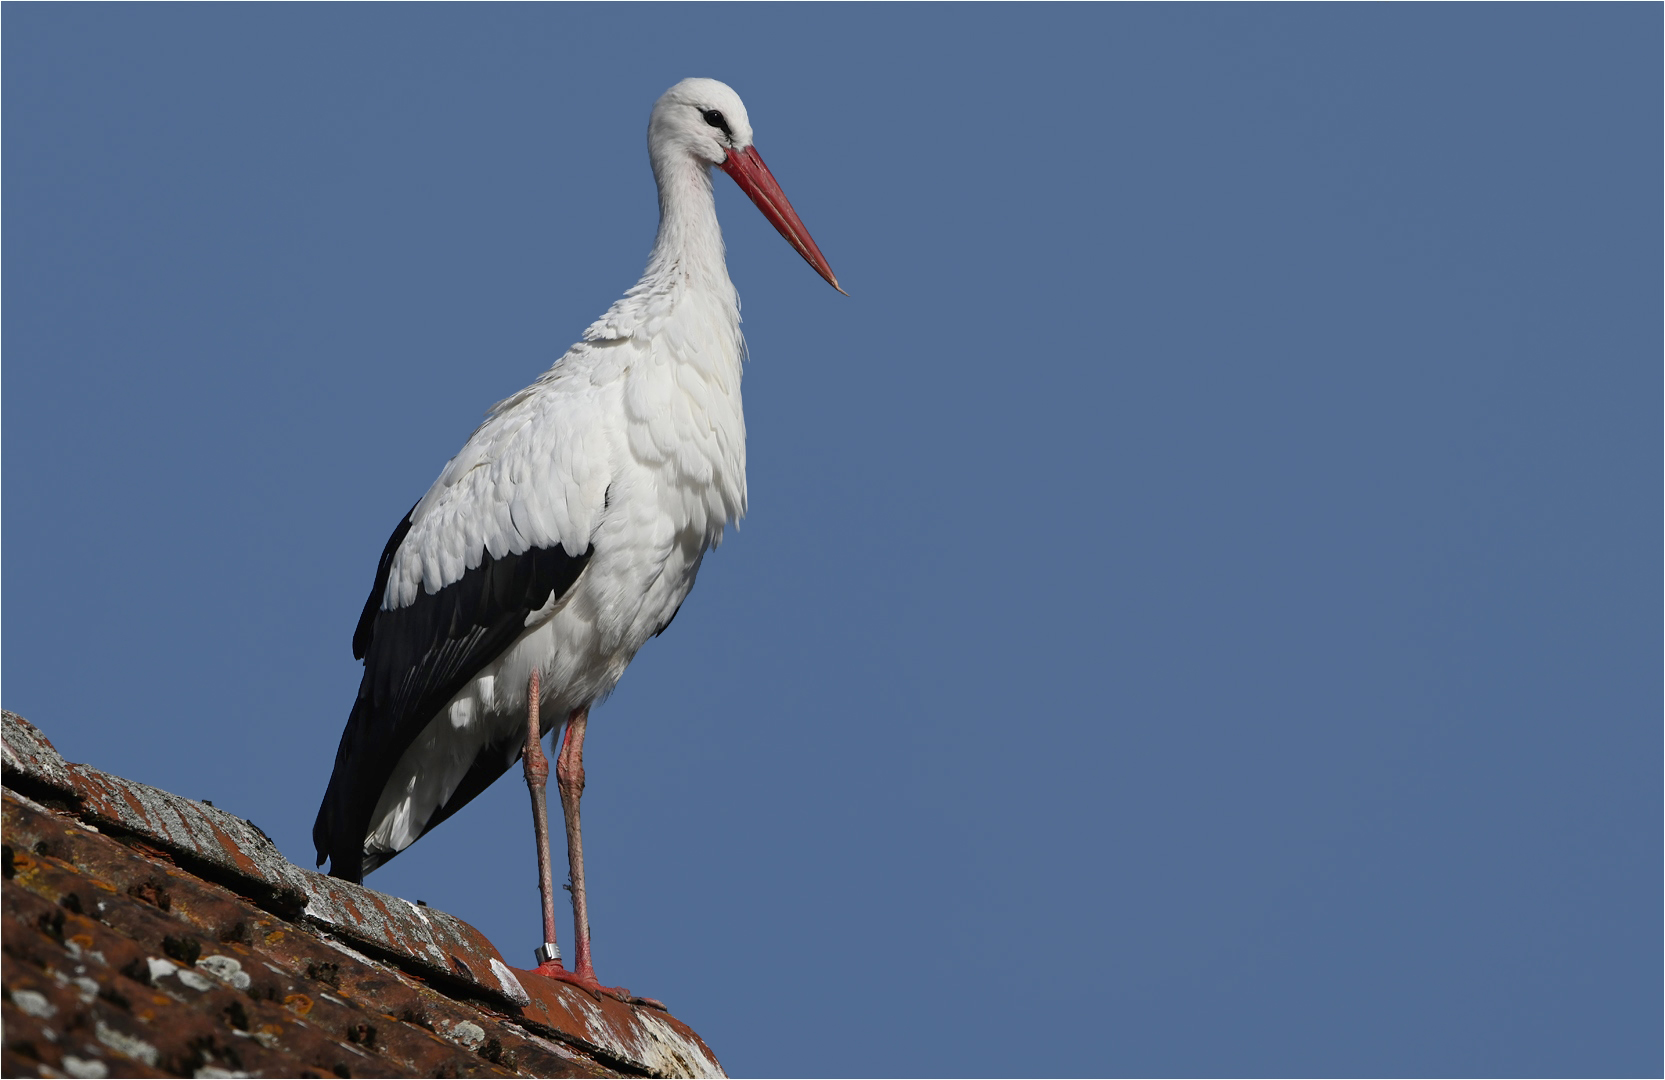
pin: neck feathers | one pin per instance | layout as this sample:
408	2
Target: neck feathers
690	242
686	265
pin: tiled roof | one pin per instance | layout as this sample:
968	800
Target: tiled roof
149	935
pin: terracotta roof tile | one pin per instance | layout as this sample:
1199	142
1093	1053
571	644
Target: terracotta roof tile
150	935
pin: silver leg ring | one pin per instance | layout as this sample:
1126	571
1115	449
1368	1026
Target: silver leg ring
547	952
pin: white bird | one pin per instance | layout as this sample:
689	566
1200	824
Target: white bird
566	532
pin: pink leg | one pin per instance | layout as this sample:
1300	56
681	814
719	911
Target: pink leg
568	766
569	779
537	781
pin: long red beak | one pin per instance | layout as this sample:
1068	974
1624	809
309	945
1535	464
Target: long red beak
758	182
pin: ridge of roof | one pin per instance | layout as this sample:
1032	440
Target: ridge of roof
121	864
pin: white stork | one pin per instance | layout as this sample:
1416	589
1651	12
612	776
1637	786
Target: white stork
566	533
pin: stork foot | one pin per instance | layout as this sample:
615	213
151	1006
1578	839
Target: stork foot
588	983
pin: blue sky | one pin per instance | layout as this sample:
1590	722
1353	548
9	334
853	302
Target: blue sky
1199	607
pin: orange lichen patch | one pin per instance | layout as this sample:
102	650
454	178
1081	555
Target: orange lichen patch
299	1004
244	863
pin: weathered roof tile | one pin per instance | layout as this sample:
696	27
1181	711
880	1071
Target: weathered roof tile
150	935
30	761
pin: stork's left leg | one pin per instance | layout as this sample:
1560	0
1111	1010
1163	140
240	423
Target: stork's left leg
569	778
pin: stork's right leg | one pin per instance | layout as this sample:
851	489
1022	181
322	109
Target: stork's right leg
537	782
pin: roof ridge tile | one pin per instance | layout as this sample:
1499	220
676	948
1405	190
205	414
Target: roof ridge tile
182	840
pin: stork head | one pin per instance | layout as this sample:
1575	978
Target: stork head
706	121
701	118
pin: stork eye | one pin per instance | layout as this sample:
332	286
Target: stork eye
715	119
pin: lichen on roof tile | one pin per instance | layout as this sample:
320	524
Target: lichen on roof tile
143	934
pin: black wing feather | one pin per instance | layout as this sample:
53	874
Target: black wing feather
416	659
373	604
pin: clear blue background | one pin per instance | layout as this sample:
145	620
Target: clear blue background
1199	611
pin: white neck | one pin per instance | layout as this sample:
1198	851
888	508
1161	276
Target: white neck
690	242
686	265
